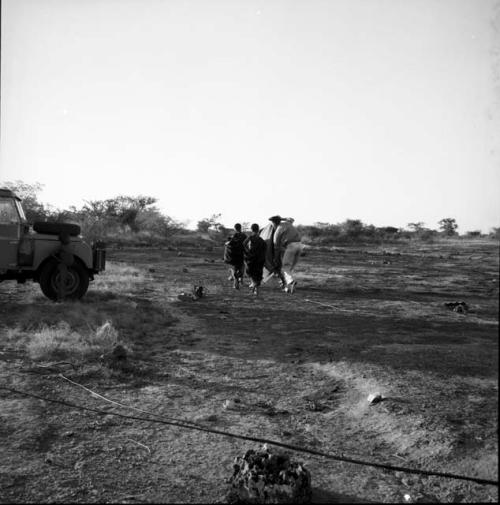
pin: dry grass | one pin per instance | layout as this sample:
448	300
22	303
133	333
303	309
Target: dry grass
120	278
61	342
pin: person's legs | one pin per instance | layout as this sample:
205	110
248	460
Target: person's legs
257	276
235	276
298	248
268	274
238	275
290	259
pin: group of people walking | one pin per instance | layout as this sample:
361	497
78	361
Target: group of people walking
272	251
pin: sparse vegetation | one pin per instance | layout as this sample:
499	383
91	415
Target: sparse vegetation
62	342
301	373
137	221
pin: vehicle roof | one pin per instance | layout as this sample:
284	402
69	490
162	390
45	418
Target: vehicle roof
8	193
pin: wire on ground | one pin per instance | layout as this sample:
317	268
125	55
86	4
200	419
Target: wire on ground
182	424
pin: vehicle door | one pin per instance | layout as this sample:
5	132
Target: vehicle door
10	230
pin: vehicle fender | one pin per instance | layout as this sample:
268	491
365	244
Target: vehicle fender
46	246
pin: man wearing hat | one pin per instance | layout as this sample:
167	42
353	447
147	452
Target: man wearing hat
287	249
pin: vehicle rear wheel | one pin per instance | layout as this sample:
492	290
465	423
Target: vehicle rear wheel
76	280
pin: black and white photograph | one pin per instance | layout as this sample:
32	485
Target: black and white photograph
249	251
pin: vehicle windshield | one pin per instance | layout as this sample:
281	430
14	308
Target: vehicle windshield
8	212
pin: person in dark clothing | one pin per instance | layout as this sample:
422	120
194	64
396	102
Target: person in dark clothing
239	235
234	256
255	257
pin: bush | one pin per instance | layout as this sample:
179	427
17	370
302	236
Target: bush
473	234
61	342
495	233
427	235
351	230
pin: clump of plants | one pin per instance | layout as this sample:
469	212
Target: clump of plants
267	477
61	342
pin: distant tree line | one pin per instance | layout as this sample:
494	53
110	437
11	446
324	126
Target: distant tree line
138	219
354	230
122	217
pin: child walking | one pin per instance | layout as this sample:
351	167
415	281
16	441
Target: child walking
234	256
255	257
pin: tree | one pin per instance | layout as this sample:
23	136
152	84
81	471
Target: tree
416	227
152	220
448	226
124	210
352	228
389	230
210	223
495	233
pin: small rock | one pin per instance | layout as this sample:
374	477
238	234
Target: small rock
374	398
179	253
459	307
198	292
151	270
229	404
185	270
69	433
314	406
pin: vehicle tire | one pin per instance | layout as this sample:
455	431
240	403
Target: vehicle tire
77	281
56	228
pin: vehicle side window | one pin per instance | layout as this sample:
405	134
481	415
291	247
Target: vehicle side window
8	211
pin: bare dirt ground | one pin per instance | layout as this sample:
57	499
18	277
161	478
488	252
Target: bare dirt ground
300	367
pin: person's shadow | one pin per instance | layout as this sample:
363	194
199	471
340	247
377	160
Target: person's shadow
324	496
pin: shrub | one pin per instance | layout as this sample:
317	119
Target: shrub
495	233
473	234
427	235
61	342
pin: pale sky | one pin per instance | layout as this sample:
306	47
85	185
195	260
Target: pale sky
381	110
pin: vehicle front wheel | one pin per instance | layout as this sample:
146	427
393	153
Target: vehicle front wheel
57	284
